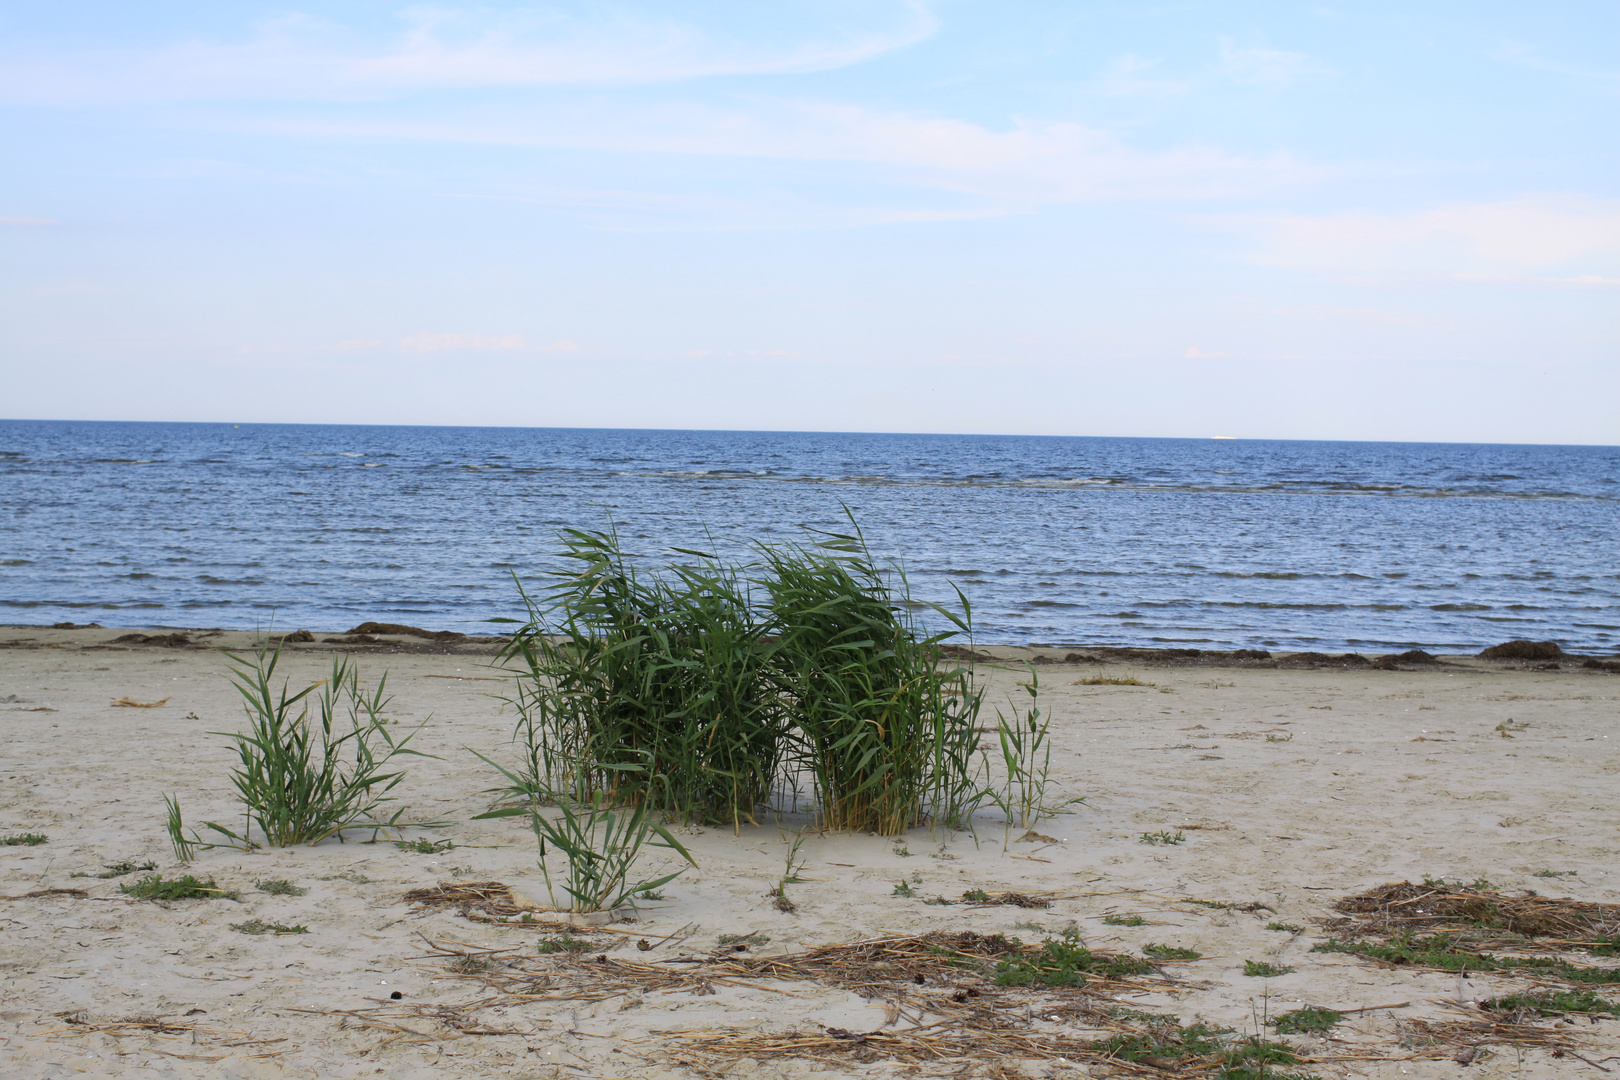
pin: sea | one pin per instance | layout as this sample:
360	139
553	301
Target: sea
1201	543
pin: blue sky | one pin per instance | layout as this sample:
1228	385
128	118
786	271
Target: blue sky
1372	220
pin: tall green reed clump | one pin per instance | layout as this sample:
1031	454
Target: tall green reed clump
886	733
651	688
311	763
702	690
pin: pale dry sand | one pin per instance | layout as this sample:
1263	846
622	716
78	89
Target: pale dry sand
1292	788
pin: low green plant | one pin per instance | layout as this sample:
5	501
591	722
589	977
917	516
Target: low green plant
259	926
348	875
1164	1039
303	776
903	850
651	895
423	846
564	943
1064	961
1170	952
1257	1053
279	887
1140	1016
1605	945
1111	680
976	896
1553	1002
27	839
601	841
1124	920
1556	873
1441	951
1164	1043
1259	969
1176	837
1308	1020
904	889
1290	928
185	887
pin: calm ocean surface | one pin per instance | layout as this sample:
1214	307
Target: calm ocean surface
1210	544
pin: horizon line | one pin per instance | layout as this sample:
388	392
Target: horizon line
810	431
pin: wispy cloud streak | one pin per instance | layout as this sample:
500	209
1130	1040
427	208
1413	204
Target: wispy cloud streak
299	57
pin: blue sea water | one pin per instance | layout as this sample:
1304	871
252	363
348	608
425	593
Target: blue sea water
1158	542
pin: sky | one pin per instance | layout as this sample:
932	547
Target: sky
1257	220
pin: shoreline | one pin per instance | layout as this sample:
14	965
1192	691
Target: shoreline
389	639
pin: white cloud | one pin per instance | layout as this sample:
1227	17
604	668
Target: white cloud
461	342
1126	76
1460	240
298	57
1260	66
476	342
1030	162
1523	55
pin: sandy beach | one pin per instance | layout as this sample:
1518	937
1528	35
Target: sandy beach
1291	787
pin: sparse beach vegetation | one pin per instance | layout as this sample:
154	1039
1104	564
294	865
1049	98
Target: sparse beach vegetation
27	839
1026	761
1112	680
564	943
1553	1002
185	887
1307	1021
1444	953
424	846
1064	961
1170	952
259	926
293	779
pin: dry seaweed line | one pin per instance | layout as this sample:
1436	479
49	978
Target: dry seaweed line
1490	916
157	1027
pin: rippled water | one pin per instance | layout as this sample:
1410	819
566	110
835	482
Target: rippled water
1209	543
